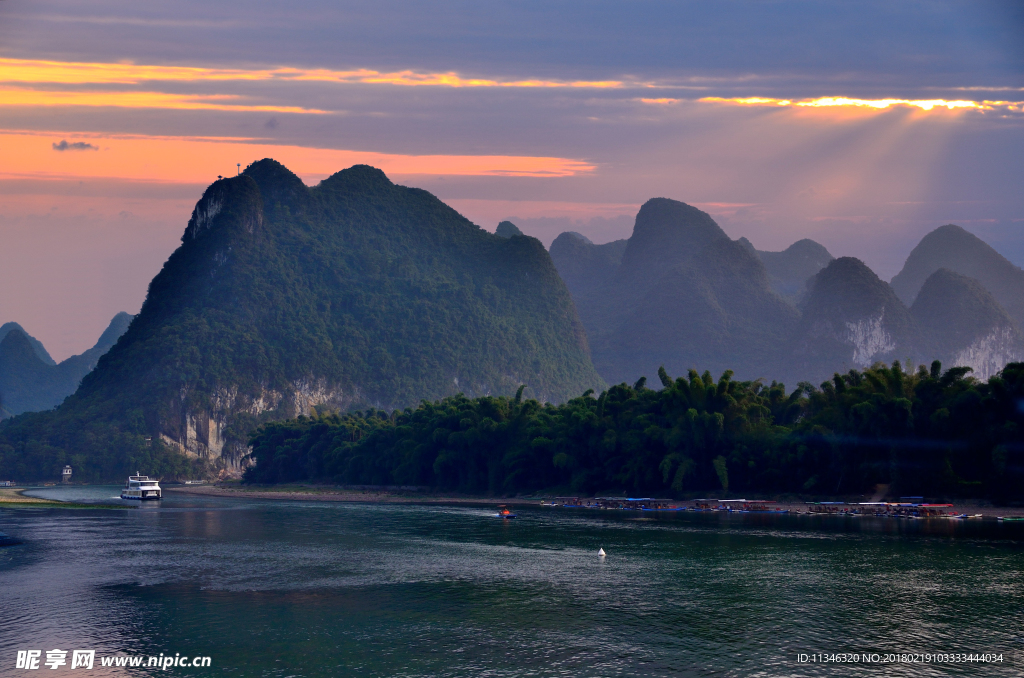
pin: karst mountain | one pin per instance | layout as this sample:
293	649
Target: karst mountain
31	381
355	293
680	293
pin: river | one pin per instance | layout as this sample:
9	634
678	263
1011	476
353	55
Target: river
304	589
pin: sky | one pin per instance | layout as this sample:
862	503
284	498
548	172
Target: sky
862	125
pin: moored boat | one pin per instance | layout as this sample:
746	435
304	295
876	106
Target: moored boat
142	488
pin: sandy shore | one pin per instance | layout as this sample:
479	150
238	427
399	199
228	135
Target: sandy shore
13	495
309	493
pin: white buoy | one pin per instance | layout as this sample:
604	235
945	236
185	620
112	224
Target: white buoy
600	553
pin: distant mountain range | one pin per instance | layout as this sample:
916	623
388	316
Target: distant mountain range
954	249
680	293
356	293
29	378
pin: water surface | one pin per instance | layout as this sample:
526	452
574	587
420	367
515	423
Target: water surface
282	588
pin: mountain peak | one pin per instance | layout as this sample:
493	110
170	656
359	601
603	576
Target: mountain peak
37	345
358	179
851	319
279	186
28	384
16	345
848	280
947	294
668	232
506	229
809	248
117	326
234	203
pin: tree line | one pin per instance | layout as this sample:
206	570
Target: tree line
923	432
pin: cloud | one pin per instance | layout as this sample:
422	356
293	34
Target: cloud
77	73
74	146
135	99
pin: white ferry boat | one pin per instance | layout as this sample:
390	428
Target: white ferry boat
141	487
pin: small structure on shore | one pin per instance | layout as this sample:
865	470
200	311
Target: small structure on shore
634	503
746	505
66	475
884	509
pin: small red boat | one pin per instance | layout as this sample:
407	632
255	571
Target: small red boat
503	512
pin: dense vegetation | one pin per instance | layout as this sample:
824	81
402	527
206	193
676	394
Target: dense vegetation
923	432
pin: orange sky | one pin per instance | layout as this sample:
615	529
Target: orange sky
200	160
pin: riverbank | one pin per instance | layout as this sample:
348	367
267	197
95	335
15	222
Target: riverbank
336	494
327	493
13	497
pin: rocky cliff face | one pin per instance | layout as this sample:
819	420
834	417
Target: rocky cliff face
206	433
964	325
988	355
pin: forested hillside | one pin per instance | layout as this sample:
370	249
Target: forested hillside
281	297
